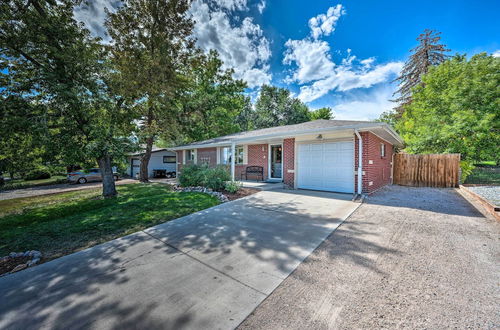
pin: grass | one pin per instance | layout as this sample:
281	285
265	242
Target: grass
63	223
21	183
484	175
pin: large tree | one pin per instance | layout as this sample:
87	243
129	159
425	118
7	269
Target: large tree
60	72
429	52
456	109
151	45
275	106
321	113
212	101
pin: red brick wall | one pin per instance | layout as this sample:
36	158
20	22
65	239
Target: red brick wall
288	161
378	173
207	154
257	156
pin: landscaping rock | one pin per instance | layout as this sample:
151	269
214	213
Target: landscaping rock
20	260
18	268
220	196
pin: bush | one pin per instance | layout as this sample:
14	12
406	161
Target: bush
216	178
202	175
37	174
466	167
232	186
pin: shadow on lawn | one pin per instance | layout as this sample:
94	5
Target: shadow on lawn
110	285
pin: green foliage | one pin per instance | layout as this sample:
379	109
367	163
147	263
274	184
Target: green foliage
484	175
216	177
232	186
322	113
276	107
213	100
456	110
22	184
204	176
466	167
58	88
38	173
60	224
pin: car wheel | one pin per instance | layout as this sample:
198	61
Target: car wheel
82	180
115	177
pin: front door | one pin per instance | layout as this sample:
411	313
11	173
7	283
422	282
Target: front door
276	162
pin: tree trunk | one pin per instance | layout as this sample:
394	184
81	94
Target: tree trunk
143	176
108	180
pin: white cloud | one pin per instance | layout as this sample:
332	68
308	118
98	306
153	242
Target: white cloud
316	71
92	13
324	24
261	6
345	78
232	4
241	45
496	53
365	105
312	58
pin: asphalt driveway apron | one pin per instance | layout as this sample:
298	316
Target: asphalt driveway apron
207	270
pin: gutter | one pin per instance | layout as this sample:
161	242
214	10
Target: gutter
360	163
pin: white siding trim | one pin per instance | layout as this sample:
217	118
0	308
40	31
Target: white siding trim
218	155
184	157
195	161
245	154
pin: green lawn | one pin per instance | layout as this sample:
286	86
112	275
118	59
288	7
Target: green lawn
64	223
21	183
484	175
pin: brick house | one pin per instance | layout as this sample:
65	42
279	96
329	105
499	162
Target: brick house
317	155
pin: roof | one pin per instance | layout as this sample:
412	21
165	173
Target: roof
155	149
310	127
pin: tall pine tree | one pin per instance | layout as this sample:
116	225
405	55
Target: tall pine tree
429	52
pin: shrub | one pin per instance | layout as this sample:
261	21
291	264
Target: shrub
466	167
232	186
202	175
215	178
192	176
38	173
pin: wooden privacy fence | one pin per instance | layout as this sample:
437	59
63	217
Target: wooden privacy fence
438	170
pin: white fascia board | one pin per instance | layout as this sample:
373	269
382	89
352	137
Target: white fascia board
360	127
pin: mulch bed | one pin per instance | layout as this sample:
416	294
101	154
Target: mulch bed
240	193
9	264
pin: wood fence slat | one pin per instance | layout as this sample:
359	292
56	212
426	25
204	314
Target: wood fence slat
432	170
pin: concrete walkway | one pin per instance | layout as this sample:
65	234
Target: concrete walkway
207	270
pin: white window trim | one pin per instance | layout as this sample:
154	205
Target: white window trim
221	160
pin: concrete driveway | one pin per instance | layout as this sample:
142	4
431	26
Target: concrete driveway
207	270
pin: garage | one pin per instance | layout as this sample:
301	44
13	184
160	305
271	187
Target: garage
326	166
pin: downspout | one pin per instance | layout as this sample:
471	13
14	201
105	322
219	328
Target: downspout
360	162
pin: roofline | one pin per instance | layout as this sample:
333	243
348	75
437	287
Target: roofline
142	152
363	126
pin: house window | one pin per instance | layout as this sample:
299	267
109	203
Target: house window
225	157
169	159
382	150
190	156
204	160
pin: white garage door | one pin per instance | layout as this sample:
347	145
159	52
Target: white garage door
326	166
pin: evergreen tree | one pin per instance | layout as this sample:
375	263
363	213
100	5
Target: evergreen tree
429	52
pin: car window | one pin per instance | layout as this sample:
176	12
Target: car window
94	170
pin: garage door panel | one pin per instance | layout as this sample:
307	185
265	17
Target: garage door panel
326	166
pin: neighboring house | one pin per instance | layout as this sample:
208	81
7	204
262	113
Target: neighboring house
317	155
161	159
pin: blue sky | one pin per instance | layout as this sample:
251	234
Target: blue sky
338	54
